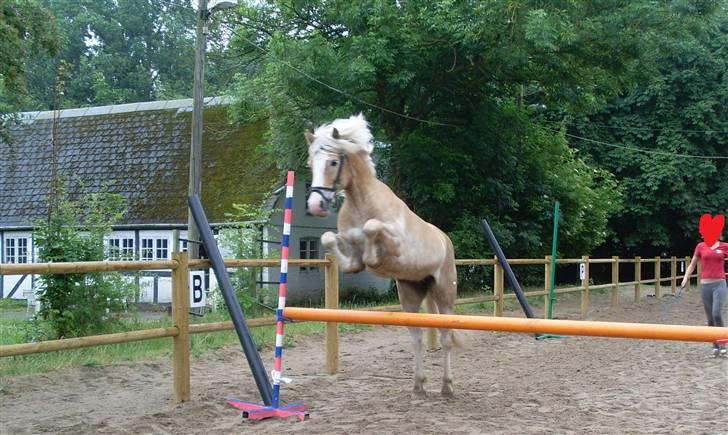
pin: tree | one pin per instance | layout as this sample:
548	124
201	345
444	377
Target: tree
455	92
120	52
679	109
25	30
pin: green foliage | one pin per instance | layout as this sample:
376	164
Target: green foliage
77	304
242	239
678	109
25	30
115	52
477	76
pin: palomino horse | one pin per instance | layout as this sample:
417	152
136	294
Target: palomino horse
377	231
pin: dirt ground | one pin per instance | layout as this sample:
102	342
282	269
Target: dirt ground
505	383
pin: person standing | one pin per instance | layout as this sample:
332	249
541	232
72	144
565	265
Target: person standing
713	289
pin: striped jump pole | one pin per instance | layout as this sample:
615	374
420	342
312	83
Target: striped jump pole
647	331
259	412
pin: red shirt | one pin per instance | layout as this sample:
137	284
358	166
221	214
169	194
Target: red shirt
712	260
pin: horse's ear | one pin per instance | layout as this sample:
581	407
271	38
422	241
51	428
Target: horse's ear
335	134
309	137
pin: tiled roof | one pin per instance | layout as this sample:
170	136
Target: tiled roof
140	150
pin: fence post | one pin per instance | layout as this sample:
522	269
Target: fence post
585	284
687	262
546	285
638	279
658	284
331	301
181	319
498	288
673	274
615	281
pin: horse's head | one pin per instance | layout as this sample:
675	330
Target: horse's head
329	148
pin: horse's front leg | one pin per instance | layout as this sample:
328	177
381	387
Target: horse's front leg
346	248
381	241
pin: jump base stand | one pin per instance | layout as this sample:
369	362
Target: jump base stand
254	411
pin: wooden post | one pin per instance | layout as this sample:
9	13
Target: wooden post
638	279
176	247
658	284
687	263
615	281
673	274
585	284
195	171
331	300
498	288
546	285
180	313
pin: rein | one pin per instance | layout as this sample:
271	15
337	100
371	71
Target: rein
327	193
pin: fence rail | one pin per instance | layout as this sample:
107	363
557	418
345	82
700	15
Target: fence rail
180	267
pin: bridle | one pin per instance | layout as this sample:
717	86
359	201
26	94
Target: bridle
327	193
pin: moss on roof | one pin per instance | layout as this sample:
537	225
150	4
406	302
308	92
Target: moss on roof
144	155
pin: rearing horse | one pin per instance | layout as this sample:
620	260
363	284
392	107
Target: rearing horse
377	231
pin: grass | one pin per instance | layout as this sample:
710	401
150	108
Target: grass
14	331
13	304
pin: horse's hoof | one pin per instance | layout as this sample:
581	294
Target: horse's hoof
419	394
447	390
328	239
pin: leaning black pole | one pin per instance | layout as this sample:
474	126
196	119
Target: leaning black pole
236	313
506	267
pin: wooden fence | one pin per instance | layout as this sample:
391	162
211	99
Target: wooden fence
180	332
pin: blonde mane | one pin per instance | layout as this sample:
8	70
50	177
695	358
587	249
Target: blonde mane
354	138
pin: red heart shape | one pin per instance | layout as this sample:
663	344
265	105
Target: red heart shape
711	228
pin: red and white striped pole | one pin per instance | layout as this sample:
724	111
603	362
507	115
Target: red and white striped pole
258	412
276	374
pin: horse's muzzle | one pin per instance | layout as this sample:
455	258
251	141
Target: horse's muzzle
318	204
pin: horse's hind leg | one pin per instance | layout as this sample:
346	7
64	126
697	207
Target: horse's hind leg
411	296
443	294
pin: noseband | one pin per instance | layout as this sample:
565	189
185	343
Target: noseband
327	193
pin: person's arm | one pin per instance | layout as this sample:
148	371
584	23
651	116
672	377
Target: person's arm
690	269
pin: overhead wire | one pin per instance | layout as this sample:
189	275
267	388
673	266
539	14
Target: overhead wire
635	149
335	89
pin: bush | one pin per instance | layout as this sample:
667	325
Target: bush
78	304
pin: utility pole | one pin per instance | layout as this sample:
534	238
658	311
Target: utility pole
195	179
198	102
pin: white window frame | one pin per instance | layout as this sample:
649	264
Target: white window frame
154	248
120	248
147	248
305	252
16	250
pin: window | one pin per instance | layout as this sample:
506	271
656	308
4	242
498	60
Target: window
22	250
147	252
154	249
308	250
121	249
16	250
162	249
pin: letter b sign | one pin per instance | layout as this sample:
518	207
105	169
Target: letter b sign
197	289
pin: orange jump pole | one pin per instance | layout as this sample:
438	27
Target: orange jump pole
647	331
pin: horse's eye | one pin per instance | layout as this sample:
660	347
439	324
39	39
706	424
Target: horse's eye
334	163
